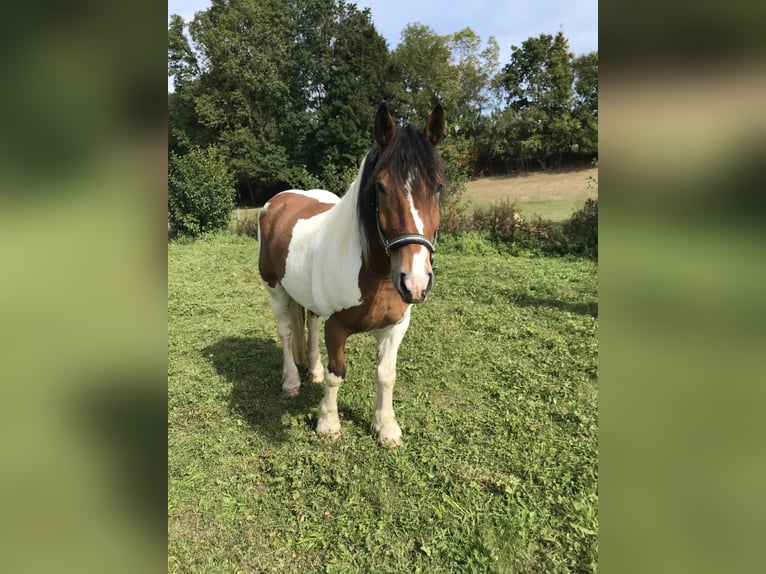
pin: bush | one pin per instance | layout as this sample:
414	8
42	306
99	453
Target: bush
200	192
508	230
582	230
468	243
542	237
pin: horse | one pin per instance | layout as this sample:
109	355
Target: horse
359	262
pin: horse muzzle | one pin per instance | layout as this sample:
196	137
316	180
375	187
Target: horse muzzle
414	288
411	272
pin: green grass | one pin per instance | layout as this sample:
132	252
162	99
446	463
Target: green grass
551	209
496	396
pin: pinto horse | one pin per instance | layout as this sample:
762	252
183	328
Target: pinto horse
359	262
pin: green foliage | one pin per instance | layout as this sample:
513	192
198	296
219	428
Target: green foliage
552	108
468	243
287	91
200	192
504	229
456	152
497	395
581	229
540	74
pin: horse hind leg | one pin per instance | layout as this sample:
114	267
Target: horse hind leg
298	325
315	362
291	331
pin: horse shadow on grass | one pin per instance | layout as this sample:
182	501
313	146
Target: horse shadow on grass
253	367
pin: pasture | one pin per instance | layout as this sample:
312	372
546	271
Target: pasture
551	195
496	395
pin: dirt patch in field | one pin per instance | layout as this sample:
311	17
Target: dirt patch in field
536	186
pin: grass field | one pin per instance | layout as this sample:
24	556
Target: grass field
496	396
551	195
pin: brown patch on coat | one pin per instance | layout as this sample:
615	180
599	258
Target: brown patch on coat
276	222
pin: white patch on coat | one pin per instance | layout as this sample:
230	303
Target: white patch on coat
321	195
325	256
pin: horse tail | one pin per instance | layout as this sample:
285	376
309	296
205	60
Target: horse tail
298	321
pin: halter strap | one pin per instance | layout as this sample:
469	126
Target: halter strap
405	239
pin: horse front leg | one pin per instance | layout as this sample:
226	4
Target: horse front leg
335	335
384	420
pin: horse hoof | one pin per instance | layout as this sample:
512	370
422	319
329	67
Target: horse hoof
291	391
391	443
389	434
328	427
332	435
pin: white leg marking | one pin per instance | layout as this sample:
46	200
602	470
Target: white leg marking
291	381
315	362
384	420
328	423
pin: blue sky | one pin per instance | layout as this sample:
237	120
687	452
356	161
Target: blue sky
510	22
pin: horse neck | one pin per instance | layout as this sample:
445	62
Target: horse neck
346	230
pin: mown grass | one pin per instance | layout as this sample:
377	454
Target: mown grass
496	396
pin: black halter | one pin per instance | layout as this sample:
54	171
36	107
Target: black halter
405	239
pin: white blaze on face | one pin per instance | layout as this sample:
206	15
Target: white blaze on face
417	278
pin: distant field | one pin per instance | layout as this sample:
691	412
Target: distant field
553	196
550	195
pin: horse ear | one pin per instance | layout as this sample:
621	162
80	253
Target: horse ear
384	126
435	125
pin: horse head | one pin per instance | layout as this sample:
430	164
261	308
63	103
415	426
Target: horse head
405	186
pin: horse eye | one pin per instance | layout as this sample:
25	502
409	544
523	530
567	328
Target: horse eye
379	188
440	188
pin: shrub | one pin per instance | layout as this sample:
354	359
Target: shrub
454	219
200	192
542	236
468	243
581	230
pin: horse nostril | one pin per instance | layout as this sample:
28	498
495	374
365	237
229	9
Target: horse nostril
430	282
402	285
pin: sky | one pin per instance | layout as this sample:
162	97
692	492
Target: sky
510	21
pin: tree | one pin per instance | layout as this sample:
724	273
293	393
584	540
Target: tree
421	75
182	63
285	89
540	75
353	88
538	83
475	68
586	102
241	94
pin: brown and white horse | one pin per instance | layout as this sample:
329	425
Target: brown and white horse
359	262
